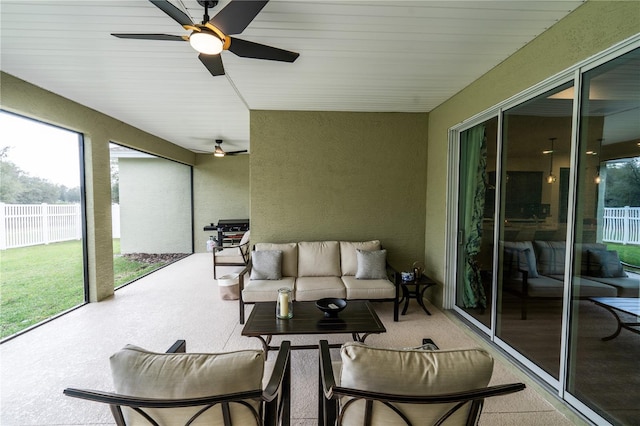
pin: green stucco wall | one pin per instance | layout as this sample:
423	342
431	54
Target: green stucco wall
340	176
220	191
591	28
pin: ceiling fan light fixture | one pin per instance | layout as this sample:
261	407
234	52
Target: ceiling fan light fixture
219	152
206	42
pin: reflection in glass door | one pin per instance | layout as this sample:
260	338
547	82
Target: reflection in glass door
603	373
567	193
537	145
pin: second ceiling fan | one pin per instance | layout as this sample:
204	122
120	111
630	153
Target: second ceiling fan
212	36
219	152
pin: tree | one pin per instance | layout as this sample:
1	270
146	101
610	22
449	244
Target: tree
17	187
115	181
623	184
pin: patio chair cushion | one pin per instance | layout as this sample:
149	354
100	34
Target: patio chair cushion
412	372
243	243
348	256
141	373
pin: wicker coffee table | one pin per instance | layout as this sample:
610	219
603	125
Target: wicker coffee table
358	319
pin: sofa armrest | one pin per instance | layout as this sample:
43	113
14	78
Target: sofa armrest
243	274
394	276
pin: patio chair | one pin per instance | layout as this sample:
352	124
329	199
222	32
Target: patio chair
177	388
236	255
380	386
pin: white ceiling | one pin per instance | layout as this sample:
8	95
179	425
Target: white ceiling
388	56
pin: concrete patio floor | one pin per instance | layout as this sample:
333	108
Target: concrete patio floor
181	301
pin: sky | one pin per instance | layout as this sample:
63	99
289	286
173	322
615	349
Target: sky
41	150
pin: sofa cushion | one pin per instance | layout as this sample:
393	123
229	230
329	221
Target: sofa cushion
348	257
289	256
368	289
266	290
583	250
515	261
314	288
412	372
138	372
550	255
372	265
266	265
319	259
526	262
628	286
605	263
553	286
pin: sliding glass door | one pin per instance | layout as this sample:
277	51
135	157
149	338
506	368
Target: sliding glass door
536	147
603	373
547	232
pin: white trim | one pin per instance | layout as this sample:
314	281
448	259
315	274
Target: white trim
451	229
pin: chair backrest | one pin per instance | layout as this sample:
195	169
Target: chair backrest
381	386
195	388
138	372
245	247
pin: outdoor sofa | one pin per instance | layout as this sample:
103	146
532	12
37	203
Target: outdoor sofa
317	269
535	269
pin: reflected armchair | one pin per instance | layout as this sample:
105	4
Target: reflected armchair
415	387
237	255
177	388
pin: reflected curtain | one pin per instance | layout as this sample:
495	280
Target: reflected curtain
473	184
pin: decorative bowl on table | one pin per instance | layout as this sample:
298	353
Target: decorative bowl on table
407	276
331	306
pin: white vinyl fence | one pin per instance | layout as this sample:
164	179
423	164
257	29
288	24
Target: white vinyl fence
24	225
32	224
621	225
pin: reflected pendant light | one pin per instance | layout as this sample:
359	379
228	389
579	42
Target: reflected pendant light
551	178
598	179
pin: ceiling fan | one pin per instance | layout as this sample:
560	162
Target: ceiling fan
212	36
219	152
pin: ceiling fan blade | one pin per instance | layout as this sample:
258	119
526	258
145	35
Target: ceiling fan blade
235	152
249	49
213	63
235	16
152	36
176	14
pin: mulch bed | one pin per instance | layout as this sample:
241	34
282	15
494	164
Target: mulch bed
151	258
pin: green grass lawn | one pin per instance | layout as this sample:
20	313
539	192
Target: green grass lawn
41	281
628	253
